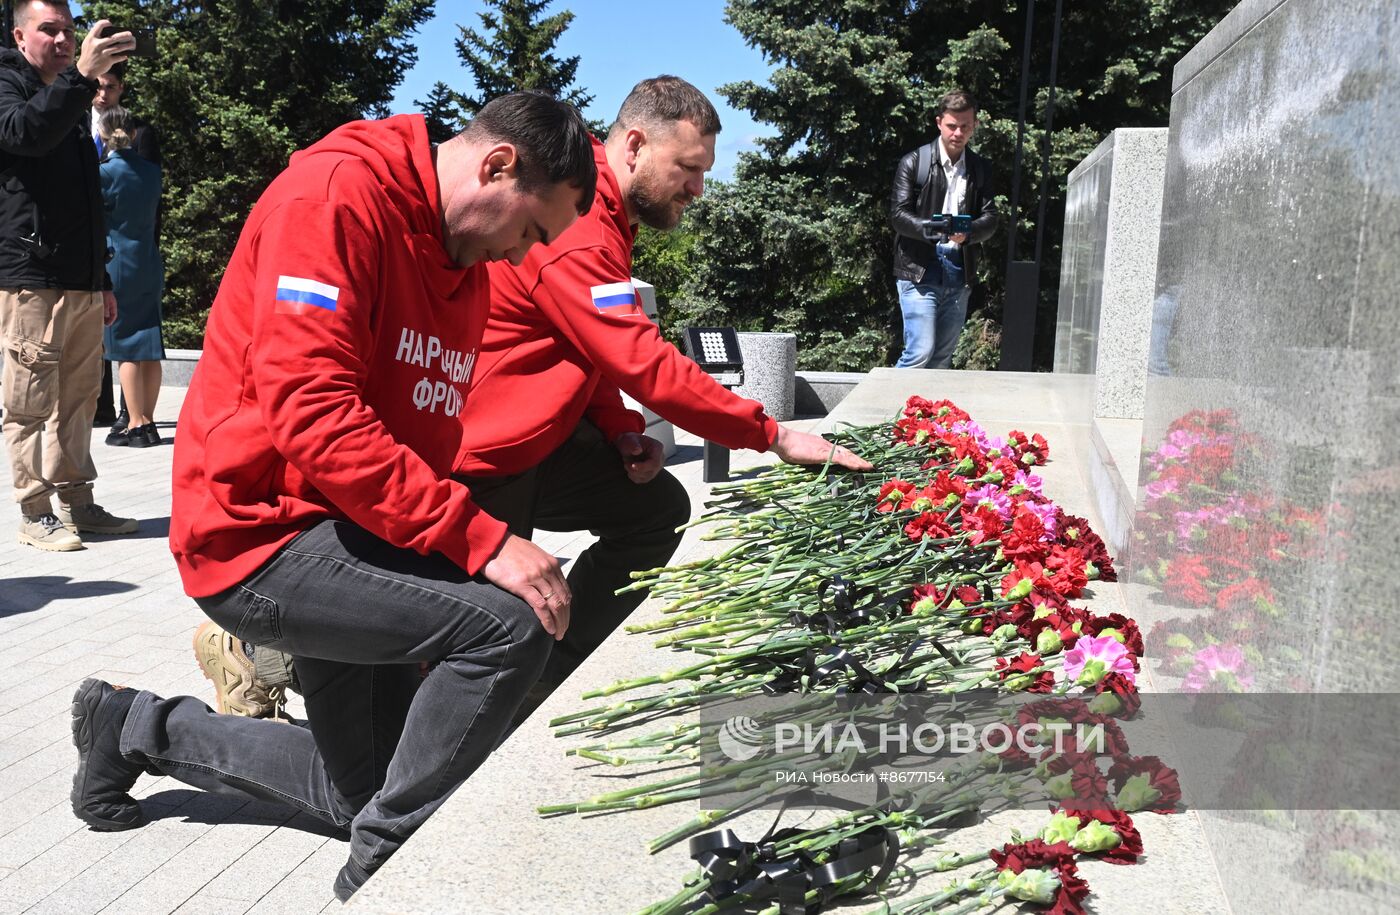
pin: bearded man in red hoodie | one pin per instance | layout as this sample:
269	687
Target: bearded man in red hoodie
313	510
546	440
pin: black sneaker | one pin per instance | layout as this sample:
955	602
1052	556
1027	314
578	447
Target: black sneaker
117	436
147	436
102	784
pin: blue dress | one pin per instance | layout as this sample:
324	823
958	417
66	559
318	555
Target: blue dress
131	196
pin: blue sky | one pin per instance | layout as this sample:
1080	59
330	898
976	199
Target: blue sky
618	43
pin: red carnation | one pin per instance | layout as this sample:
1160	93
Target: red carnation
1034	447
946	484
913	431
1066	565
1026	538
1086	780
1026	668
1130	844
1073	889
892	494
1125	627
1008	470
928	525
1126	693
919	407
1160	777
1033	853
982	524
1075	532
947	413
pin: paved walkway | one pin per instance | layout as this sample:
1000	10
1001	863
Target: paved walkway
117	611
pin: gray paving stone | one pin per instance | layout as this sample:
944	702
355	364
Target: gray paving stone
22	775
176	881
278	854
37	835
210	905
36	799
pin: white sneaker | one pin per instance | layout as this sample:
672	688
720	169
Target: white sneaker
47	533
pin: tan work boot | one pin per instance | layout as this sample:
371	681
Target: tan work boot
47	533
93	519
228	667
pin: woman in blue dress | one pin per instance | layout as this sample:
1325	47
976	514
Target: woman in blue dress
131	194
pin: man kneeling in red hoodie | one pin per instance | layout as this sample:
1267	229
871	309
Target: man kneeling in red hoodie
313	508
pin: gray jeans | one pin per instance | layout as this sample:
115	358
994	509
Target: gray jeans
381	751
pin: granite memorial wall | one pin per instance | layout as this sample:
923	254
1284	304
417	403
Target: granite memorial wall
1268	485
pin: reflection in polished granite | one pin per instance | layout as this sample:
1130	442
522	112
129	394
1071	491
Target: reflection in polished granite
1109	267
1081	261
1269	482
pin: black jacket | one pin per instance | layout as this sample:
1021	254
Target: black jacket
909	208
52	234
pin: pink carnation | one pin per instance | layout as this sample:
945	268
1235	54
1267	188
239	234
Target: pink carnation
1094	657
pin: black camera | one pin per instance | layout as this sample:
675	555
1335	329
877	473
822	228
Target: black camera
947	224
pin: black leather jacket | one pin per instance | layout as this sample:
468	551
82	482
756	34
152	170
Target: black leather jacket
52	234
909	208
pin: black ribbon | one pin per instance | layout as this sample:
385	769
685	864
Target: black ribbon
755	871
845	611
808	671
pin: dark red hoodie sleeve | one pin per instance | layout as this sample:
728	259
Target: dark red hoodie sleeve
632	356
310	366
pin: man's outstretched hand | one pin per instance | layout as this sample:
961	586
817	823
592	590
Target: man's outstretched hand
534	576
801	448
642	456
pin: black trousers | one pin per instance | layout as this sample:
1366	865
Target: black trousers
584	486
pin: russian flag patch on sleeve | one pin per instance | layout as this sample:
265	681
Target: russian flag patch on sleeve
296	295
616	299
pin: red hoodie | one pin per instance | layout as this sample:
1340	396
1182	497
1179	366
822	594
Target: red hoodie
336	360
565	333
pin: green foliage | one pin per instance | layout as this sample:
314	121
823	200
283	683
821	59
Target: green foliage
442	111
979	347
801	240
663	259
776	253
234	89
513	51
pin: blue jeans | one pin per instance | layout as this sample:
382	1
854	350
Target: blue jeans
381	751
933	321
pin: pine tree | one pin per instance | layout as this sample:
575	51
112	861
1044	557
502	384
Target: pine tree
442	109
514	51
235	88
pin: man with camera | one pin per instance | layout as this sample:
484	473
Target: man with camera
935	252
54	291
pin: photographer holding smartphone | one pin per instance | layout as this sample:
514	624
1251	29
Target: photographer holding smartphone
54	291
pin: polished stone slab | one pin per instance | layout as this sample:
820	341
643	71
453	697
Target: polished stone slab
1109	267
1276	308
